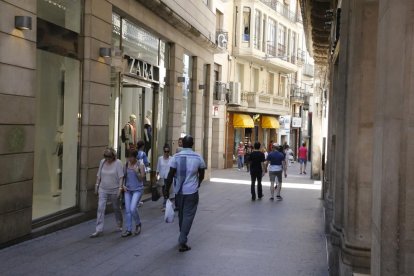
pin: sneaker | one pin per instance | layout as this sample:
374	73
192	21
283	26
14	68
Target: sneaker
279	197
126	234
304	172
140	204
95	234
184	248
272	198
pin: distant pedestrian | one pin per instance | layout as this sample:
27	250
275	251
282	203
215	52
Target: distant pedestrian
163	167
276	161
141	155
240	155
180	145
188	168
133	189
257	170
109	185
264	150
269	147
303	158
289	155
248	150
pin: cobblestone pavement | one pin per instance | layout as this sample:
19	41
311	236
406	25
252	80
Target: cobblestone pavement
231	235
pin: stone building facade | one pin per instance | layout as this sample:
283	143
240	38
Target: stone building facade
69	82
366	47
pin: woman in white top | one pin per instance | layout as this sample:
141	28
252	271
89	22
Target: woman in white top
163	168
109	184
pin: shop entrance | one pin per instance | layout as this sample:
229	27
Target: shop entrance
136	115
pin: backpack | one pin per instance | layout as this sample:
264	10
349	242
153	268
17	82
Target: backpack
123	134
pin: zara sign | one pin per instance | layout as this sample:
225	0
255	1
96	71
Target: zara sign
142	70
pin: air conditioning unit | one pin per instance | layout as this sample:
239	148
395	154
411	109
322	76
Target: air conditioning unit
234	93
221	90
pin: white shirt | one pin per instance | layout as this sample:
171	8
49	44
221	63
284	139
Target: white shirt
163	167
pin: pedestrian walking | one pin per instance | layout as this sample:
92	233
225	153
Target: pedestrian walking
248	150
303	158
257	170
276	162
289	155
240	155
109	185
180	145
264	150
163	167
133	188
188	168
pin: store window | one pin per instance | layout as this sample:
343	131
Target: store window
187	96
257	29
246	23
57	104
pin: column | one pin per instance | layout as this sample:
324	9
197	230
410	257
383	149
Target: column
175	95
357	177
17	119
96	97
393	173
197	120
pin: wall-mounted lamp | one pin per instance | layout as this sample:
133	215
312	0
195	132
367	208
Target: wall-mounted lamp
104	52
201	86
23	22
181	79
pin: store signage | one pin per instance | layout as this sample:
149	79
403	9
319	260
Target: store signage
285	122
296	122
143	70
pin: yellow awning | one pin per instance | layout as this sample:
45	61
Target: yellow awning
270	122
242	121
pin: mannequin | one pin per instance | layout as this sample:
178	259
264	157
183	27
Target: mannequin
148	131
59	153
130	134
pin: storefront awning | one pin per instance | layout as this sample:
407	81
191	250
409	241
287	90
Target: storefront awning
270	122
242	121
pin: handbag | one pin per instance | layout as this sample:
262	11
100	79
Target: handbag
155	193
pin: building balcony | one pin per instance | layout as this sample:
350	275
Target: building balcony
265	103
309	70
283	10
275	57
299	96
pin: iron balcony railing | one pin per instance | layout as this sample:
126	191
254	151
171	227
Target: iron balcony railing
301	56
283	10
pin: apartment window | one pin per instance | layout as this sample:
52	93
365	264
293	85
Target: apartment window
293	39
281	40
282	86
246	23
264	34
271	38
219	20
257	29
255	80
271	83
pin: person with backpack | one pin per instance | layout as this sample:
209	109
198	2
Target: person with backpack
129	133
133	188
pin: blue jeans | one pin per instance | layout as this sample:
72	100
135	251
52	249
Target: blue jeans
131	201
240	161
187	208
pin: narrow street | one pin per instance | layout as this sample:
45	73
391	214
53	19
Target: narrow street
231	235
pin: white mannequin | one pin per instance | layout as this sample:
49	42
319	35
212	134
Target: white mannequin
130	130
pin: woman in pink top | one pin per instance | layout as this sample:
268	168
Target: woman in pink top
303	157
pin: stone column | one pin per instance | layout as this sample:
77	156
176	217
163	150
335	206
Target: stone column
17	119
393	173
360	91
175	94
208	116
96	97
197	106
